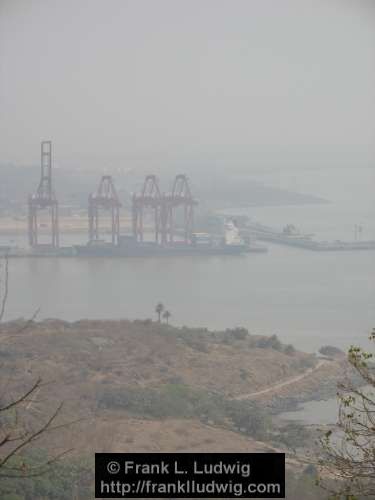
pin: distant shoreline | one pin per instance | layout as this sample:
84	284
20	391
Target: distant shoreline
233	206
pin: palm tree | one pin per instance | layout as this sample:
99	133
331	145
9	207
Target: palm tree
166	316
159	309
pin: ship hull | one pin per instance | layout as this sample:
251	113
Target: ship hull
158	251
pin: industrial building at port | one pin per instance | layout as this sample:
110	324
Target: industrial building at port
166	217
163	207
162	210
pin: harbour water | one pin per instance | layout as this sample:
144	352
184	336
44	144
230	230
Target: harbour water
315	413
308	299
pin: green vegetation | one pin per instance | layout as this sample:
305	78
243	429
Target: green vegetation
269	343
162	312
294	435
349	450
159	309
68	480
199	338
181	401
332	351
302	486
238	333
166	316
64	480
289	349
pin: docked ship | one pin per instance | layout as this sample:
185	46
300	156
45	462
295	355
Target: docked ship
201	244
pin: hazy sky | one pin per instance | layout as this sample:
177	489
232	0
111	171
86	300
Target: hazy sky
254	82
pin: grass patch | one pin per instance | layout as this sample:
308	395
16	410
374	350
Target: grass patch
182	401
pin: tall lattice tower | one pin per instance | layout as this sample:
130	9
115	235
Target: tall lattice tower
44	198
105	197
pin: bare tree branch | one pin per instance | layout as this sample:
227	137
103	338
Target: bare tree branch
23	397
15	438
31	438
4	298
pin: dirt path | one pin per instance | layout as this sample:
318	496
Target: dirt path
282	384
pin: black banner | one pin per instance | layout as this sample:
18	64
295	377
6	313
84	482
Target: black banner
189	475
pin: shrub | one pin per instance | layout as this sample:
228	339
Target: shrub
329	350
178	400
289	350
307	362
294	435
238	333
248	418
269	343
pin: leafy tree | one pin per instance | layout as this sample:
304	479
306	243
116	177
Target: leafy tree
289	350
166	316
349	453
159	309
238	333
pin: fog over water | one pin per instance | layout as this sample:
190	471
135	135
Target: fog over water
282	92
211	83
307	298
261	110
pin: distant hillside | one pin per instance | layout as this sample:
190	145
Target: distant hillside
211	190
235	191
148	370
148	354
142	386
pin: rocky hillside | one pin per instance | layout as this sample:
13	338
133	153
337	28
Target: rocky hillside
146	386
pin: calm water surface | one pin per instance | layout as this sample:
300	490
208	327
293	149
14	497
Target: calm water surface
315	413
307	298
